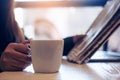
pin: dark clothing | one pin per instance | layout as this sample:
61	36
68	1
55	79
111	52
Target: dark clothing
68	45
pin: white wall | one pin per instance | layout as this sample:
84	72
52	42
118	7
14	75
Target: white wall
69	21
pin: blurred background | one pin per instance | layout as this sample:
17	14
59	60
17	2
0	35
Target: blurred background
58	19
67	17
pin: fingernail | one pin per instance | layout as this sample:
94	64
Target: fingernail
29	49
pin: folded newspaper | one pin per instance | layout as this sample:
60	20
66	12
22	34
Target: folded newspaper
98	33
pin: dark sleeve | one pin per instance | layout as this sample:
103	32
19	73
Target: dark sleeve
1	53
0	70
0	57
68	45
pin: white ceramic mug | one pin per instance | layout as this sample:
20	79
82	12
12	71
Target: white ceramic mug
46	55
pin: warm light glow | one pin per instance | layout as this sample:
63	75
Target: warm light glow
19	16
68	21
36	0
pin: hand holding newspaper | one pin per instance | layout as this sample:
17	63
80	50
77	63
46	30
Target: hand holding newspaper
99	32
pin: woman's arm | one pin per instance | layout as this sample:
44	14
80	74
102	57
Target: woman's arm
0	57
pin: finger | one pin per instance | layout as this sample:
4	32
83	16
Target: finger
20	65
22	48
80	36
26	42
22	57
77	38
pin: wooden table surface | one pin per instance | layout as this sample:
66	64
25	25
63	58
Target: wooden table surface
70	71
